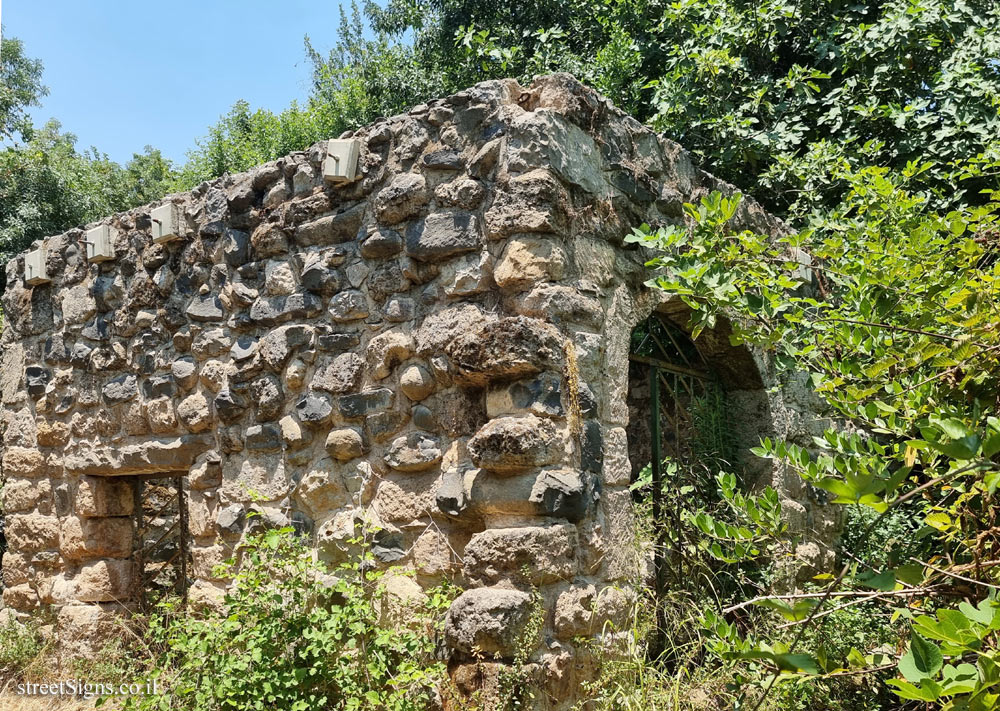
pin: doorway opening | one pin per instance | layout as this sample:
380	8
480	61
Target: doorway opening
161	548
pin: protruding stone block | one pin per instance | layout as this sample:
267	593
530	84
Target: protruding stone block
416	451
534	555
513	444
488	621
505	349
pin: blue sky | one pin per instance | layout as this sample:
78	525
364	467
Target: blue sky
129	73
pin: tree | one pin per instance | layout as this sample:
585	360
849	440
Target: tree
20	87
776	96
47	186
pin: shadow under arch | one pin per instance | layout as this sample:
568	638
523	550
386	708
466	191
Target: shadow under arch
739	378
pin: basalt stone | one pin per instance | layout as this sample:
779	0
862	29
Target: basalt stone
56	352
337	342
387	546
442	235
263	438
541	395
331	229
80	355
592	447
303	525
349	305
314	410
383	425
267	311
229	405
243	348
321	279
120	389
382	244
158	386
231	519
444	160
235	247
99	329
206	308
35	380
424	418
365	403
561	494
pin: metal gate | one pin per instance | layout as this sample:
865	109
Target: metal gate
677	378
161	544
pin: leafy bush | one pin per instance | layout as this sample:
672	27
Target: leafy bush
898	335
20	645
292	636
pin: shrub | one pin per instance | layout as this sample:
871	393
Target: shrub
292	636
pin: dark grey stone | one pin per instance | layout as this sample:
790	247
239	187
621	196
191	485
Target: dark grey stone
229	405
442	235
36	378
231	519
207	307
561	494
592	447
159	386
235	247
423	418
120	389
382	244
383	425
320	279
243	348
314	410
365	403
264	438
444	160
541	395
337	342
277	309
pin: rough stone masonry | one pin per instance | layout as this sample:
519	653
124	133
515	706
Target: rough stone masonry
437	349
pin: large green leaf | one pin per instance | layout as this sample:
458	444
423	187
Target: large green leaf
923	659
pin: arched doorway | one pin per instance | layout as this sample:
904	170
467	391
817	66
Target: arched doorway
695	410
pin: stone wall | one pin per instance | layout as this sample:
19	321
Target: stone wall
437	349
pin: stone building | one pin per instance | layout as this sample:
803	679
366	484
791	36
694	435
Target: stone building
437	348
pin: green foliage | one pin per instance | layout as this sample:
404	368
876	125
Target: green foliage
244	138
20	645
47	186
897	333
293	636
20	87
